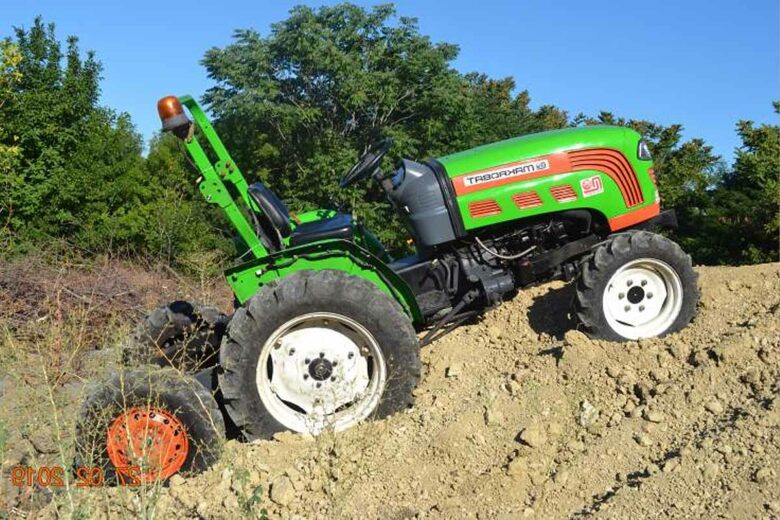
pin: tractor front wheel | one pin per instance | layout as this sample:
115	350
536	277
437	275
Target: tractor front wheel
317	350
636	285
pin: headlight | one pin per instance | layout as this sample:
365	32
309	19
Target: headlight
643	151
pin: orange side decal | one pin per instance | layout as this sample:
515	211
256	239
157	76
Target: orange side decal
511	172
635	217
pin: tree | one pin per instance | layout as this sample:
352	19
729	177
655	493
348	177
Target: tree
178	223
9	149
299	106
747	202
70	150
70	168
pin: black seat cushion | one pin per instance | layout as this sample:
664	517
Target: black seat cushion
339	226
272	206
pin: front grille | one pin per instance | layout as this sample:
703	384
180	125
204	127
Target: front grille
527	199
563	193
484	208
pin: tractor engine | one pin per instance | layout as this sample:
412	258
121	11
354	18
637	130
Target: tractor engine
511	257
488	264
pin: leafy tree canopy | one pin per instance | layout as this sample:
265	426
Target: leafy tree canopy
10	58
72	169
70	150
741	224
296	108
299	106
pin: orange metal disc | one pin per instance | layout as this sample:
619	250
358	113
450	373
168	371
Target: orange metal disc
151	439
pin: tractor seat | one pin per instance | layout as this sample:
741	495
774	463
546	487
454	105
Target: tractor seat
278	217
271	206
275	224
339	226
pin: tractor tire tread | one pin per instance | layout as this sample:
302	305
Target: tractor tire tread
608	256
180	394
180	334
276	304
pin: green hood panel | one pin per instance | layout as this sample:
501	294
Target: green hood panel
594	168
535	145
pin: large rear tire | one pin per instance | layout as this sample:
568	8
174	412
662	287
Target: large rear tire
636	285
181	334
317	350
145	425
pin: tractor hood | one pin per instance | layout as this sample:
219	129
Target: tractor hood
603	169
532	146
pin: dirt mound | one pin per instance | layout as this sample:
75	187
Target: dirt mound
522	416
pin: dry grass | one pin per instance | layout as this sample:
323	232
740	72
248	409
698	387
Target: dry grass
59	329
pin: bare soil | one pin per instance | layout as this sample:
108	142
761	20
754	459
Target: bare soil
517	416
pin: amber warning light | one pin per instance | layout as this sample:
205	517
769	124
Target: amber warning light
173	117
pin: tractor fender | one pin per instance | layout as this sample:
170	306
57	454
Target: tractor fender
248	278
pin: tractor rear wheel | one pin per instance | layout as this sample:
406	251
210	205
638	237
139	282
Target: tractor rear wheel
636	285
145	425
180	334
317	350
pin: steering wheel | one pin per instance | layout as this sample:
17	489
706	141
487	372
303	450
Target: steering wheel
367	164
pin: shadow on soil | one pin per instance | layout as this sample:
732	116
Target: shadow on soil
551	313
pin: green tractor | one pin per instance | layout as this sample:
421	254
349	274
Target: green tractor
325	331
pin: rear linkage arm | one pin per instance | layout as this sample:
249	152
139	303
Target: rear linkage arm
212	184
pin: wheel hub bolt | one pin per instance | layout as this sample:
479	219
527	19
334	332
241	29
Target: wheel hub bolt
292	351
644	282
322	354
351	355
305	376
629	283
307	361
627	308
333	378
319	385
621	296
649	295
641	308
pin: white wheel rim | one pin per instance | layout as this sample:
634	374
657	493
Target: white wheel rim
643	298
321	370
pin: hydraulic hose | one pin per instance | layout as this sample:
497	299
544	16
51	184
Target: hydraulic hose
499	255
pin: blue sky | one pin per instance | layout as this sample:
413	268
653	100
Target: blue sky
704	64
